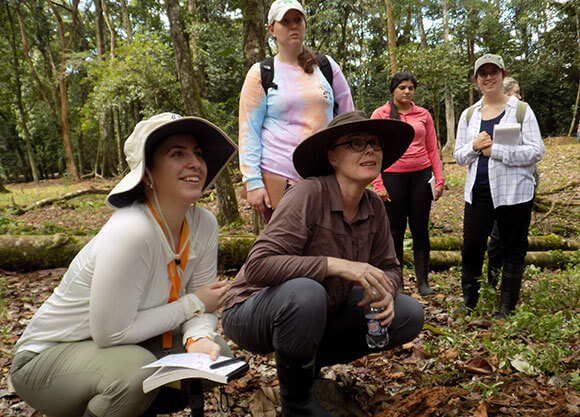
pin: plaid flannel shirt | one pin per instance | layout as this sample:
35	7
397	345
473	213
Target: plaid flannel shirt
511	167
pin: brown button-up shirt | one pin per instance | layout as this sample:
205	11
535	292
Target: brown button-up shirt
307	227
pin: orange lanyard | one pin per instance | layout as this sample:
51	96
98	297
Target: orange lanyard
174	275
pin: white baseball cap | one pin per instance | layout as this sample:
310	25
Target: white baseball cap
218	150
279	8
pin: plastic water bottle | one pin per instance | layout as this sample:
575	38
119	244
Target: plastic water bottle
377	335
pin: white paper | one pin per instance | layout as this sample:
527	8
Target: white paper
506	134
199	361
432	184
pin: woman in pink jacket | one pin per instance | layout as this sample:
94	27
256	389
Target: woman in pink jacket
405	186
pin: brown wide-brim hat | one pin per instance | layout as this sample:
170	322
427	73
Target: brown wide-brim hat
311	156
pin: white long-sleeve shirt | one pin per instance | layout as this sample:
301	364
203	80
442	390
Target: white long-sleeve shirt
511	167
116	289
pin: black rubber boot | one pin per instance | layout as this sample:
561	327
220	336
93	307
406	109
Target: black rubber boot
470	286
511	282
421	258
296	378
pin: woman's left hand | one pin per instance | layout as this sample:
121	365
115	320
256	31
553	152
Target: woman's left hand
438	193
486	151
205	345
212	295
387	303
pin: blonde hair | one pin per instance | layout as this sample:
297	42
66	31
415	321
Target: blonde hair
508	84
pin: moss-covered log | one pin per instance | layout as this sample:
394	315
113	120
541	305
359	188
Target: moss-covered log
233	251
28	253
537	243
441	260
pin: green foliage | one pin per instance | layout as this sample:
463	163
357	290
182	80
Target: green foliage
542	331
143	72
538	40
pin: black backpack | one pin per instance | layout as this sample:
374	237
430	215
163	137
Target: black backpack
267	74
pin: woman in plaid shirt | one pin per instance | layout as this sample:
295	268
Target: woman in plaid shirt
499	184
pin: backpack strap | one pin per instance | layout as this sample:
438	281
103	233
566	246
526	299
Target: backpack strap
326	69
521	112
324	65
267	74
469	114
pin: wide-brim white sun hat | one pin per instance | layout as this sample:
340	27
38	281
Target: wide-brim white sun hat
218	150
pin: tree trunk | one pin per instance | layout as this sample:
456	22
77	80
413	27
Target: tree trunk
26	51
23	115
117	129
254	51
127	20
392	37
193	42
227	202
65	128
3	189
449	105
100	36
193	106
189	87
254	38
422	33
575	107
112	33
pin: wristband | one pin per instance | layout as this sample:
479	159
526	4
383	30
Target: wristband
191	341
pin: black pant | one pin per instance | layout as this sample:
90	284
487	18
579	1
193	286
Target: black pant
494	248
512	222
292	318
411	197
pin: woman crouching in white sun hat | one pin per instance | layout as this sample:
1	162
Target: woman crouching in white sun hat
143	286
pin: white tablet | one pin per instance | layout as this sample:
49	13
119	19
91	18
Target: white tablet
506	134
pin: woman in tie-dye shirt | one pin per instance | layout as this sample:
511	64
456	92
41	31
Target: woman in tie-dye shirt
273	124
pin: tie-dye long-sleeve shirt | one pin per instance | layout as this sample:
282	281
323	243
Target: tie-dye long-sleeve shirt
272	126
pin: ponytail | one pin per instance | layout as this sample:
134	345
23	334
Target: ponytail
394	114
307	60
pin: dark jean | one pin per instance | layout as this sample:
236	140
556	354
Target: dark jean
411	196
292	318
513	223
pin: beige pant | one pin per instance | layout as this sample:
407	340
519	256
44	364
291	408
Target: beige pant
75	379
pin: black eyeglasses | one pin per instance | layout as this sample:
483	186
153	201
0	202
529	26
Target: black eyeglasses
359	145
494	72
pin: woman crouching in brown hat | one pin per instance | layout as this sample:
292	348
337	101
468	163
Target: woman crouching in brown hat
325	255
144	286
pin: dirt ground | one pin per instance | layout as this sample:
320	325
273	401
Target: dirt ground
402	382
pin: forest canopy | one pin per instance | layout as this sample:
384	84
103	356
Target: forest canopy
78	75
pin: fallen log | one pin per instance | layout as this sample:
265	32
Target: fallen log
442	260
29	253
67	196
537	243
